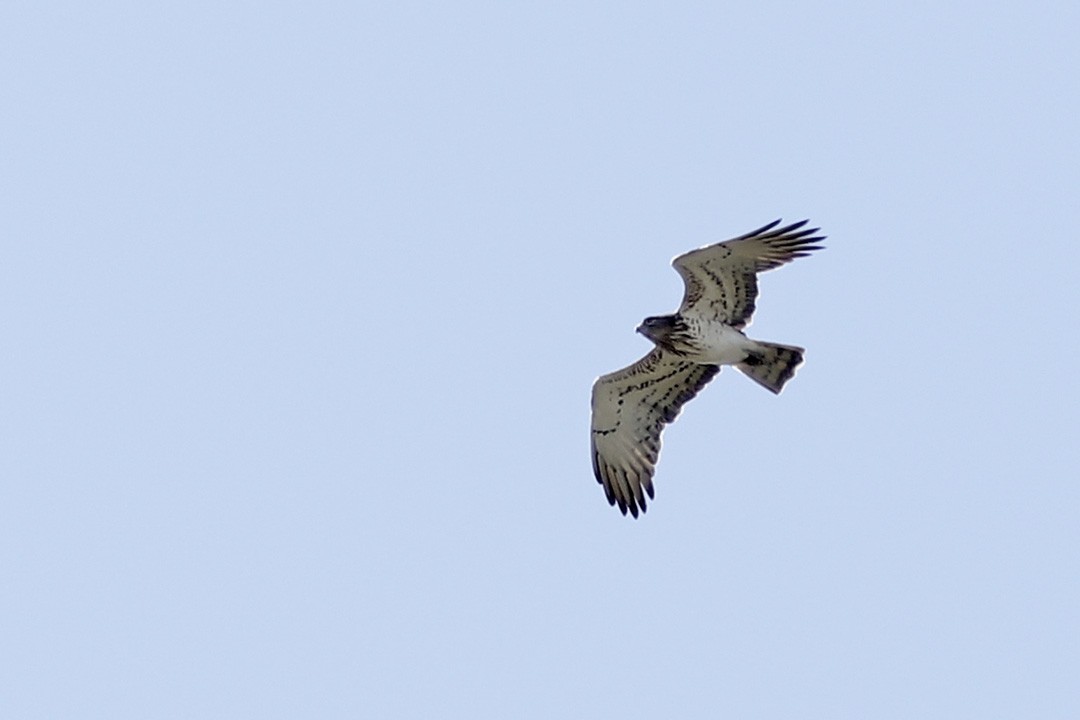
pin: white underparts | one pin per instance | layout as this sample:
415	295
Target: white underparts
720	344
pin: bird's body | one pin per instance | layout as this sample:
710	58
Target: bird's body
630	407
711	342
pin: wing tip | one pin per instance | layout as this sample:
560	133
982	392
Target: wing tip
626	495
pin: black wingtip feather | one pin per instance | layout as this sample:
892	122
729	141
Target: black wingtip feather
760	230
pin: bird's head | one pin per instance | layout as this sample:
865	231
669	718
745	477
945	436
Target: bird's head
658	328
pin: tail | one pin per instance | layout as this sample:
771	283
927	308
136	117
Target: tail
772	365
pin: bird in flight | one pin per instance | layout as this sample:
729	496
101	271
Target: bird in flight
630	407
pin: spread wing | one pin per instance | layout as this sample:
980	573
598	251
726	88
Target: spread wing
721	279
629	410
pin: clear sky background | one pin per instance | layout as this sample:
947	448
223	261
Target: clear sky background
302	303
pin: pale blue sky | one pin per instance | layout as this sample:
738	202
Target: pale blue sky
302	305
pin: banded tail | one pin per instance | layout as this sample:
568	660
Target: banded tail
772	365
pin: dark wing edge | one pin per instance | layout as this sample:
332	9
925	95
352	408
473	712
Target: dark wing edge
631	407
783	245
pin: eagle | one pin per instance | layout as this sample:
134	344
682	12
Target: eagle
630	407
